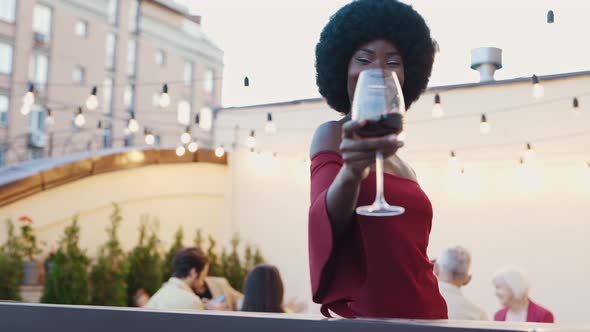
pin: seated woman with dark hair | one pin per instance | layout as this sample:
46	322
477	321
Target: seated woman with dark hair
263	290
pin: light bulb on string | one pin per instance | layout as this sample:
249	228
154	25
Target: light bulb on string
193	146
484	126
164	97
529	153
437	110
453	159
92	100
29	97
550	17
270	127
180	151
220	151
521	162
538	90
251	141
246	81
576	106
133	125
149	137
185	138
49	119
79	119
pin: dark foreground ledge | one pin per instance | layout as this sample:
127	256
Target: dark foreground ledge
60	318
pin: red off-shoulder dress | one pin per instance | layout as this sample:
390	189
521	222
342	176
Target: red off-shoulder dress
380	268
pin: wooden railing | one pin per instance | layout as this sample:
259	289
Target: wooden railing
61	318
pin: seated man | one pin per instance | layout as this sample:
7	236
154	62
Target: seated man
189	266
452	271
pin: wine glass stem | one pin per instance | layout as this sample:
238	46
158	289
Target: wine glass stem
379	198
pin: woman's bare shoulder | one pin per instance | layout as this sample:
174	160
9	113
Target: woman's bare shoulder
327	137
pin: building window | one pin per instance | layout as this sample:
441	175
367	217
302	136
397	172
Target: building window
131	54
7	10
113	11
184	112
111	49
79	75
81	28
42	23
208	81
39	70
107	96
4	109
6	55
160	57
206	118
188	73
128	97
133	15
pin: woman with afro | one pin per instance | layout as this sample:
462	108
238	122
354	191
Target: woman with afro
369	266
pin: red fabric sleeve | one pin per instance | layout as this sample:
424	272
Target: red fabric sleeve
336	265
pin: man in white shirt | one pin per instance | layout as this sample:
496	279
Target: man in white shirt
189	266
452	271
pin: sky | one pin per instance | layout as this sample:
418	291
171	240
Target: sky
272	41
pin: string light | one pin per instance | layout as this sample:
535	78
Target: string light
92	100
164	97
521	162
437	110
251	141
270	127
180	151
133	125
185	138
538	90
576	106
193	146
529	153
49	119
550	17
149	137
453	158
484	126
79	119
220	151
246	81
29	97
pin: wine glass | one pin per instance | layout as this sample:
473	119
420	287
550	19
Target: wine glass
378	98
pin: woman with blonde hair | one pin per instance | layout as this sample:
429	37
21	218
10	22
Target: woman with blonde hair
512	289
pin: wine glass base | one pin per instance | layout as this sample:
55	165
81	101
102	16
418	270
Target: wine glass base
379	210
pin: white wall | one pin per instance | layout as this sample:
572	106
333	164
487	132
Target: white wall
535	218
187	195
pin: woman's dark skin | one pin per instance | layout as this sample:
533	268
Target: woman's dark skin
359	153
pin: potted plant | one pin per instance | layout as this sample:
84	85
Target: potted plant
67	282
11	266
109	275
145	269
29	249
169	257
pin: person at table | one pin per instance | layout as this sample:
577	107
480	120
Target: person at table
512	290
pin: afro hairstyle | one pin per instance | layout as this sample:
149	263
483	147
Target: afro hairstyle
360	22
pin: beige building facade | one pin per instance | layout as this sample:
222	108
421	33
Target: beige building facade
127	49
